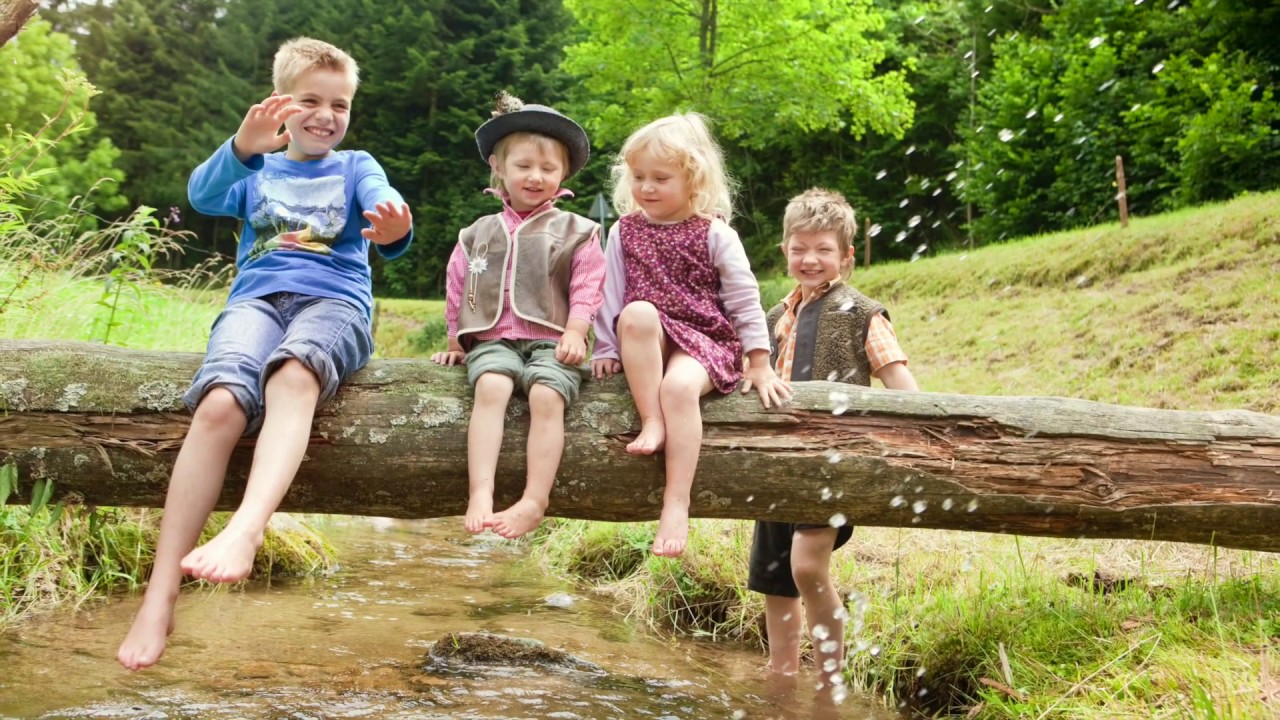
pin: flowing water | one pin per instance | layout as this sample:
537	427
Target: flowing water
353	645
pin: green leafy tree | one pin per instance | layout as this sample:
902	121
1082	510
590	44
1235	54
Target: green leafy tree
172	87
1151	83
760	70
38	81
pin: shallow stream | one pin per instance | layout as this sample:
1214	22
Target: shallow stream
353	645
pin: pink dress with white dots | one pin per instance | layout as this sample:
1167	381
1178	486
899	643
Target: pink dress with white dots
677	269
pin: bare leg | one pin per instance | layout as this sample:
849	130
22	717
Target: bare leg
642	345
484	442
811	568
783	624
290	404
684	382
545	446
193	491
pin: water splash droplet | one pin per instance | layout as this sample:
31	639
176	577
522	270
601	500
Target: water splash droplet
897	501
825	493
1032	113
1094	43
821	632
874	230
882	174
1006	135
914	221
838	520
973	505
839	403
1159	66
919	506
900	236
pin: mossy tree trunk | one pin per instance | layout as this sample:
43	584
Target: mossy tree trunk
104	424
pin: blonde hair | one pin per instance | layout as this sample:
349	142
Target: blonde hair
820	210
302	55
684	140
545	143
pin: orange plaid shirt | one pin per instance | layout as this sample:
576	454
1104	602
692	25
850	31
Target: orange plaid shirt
882	342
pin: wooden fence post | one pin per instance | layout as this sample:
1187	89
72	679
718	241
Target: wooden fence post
1122	196
866	253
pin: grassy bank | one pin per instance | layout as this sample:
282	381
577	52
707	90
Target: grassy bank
1178	311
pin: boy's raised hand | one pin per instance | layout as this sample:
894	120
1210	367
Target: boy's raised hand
260	131
389	222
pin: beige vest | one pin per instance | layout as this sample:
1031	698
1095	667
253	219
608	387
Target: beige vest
542	269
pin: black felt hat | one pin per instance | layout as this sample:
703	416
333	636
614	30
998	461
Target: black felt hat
511	116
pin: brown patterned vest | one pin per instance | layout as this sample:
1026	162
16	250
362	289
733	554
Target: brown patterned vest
543	267
831	337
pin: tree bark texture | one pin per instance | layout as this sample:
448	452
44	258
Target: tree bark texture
13	15
104	425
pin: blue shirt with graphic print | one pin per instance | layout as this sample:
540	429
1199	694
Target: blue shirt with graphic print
302	221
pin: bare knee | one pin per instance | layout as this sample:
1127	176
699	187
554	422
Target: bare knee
219	409
810	573
679	391
545	403
493	389
295	378
639	319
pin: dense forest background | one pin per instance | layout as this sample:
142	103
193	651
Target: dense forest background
947	122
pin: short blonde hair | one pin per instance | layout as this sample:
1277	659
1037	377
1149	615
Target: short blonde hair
545	143
819	210
684	140
301	55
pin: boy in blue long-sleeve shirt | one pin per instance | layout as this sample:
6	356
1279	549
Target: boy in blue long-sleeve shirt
297	322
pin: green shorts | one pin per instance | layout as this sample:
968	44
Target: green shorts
527	362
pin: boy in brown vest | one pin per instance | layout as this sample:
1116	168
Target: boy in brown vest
523	287
823	330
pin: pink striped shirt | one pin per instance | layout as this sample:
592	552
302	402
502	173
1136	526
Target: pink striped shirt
586	287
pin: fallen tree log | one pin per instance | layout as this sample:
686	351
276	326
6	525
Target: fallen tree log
104	425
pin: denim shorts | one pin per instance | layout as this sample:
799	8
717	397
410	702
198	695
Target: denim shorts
251	338
528	362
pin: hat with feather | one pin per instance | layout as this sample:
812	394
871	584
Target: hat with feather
510	115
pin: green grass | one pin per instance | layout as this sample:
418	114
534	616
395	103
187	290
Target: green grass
1178	311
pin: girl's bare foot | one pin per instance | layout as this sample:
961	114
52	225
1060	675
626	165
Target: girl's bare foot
227	558
673	531
518	519
479	512
653	435
151	628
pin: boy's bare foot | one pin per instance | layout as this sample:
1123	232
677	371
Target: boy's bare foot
227	558
653	435
479	512
151	628
673	531
518	519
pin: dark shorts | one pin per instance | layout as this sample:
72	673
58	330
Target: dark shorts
252	338
770	566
